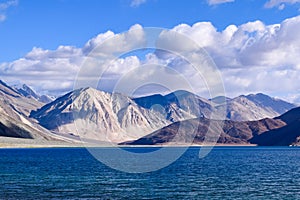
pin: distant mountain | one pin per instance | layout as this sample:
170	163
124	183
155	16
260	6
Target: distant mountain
46	99
7	90
178	105
182	105
254	107
277	105
99	116
27	91
14	116
14	103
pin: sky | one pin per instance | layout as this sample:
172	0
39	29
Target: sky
254	43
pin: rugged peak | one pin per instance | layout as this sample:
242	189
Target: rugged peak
258	94
89	90
92	92
180	94
268	102
4	88
28	92
260	97
98	115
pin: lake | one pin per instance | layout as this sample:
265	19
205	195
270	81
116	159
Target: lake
226	173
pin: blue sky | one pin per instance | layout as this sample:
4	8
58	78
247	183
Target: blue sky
43	43
50	23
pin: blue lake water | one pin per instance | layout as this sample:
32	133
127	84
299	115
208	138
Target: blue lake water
226	173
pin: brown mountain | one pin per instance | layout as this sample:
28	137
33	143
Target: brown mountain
286	135
283	130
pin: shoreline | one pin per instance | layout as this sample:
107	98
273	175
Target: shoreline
39	146
9	142
18	143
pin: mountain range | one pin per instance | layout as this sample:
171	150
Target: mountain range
28	92
96	115
88	112
280	131
255	107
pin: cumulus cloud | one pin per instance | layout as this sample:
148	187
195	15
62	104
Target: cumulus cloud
275	46
54	71
4	6
279	3
48	71
251	44
119	43
250	56
293	98
215	2
253	57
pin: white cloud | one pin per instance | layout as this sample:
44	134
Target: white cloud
215	2
251	44
137	3
47	71
54	71
252	57
4	6
267	80
120	43
276	46
293	98
279	3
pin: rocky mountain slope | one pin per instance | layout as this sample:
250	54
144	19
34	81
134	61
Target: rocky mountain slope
233	132
255	107
14	116
28	92
15	104
98	115
285	135
281	131
177	106
181	105
275	104
10	127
